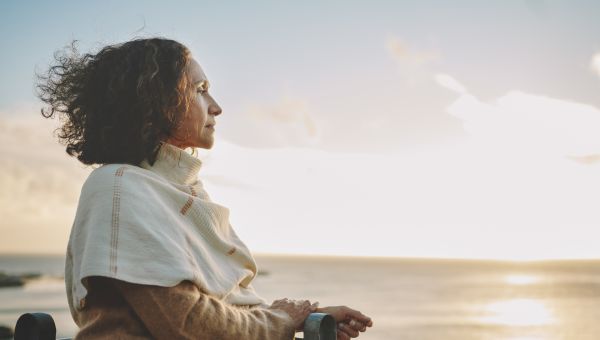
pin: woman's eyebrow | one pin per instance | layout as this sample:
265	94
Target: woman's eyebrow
203	85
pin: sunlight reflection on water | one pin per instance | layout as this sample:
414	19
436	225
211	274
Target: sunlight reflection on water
518	312
520	279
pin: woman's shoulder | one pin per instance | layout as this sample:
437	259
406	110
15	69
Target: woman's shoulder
109	175
106	173
124	184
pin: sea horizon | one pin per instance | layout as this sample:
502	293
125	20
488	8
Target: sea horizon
408	298
375	257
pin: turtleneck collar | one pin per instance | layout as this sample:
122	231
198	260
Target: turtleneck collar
175	164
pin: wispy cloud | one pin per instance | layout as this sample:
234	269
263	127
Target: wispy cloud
407	55
587	159
288	122
595	63
450	83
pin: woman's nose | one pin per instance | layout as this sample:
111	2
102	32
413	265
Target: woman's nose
214	109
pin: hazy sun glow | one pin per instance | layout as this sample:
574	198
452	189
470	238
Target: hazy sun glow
518	312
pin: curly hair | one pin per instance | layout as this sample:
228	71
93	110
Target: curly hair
118	105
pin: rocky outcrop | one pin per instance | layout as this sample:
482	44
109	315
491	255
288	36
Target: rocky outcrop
7	280
6	332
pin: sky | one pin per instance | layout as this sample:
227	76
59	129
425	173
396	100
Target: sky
461	129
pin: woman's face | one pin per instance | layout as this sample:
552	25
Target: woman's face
198	124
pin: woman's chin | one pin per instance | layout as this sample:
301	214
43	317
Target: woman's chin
206	144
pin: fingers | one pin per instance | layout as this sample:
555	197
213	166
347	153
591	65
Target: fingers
341	335
307	308
358	316
298	310
281	301
357	325
305	304
297	302
343	327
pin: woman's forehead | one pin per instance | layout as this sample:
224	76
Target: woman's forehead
195	71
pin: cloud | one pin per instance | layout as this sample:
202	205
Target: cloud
595	63
289	112
365	110
450	83
526	123
405	55
477	201
588	159
40	185
289	122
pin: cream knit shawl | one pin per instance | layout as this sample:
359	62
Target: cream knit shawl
156	225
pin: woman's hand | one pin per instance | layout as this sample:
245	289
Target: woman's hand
297	309
349	321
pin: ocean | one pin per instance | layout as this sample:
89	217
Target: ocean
408	299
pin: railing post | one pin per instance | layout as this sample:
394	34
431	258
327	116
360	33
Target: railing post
320	326
35	326
40	326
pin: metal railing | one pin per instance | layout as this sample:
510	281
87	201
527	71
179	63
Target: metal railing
40	326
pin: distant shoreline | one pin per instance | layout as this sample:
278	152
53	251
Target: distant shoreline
403	259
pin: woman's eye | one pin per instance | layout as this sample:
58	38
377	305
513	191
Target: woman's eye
203	87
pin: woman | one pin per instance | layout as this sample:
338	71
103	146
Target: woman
150	255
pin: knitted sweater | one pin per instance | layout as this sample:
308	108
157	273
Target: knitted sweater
121	310
155	226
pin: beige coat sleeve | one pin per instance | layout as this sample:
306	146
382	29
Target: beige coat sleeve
185	312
